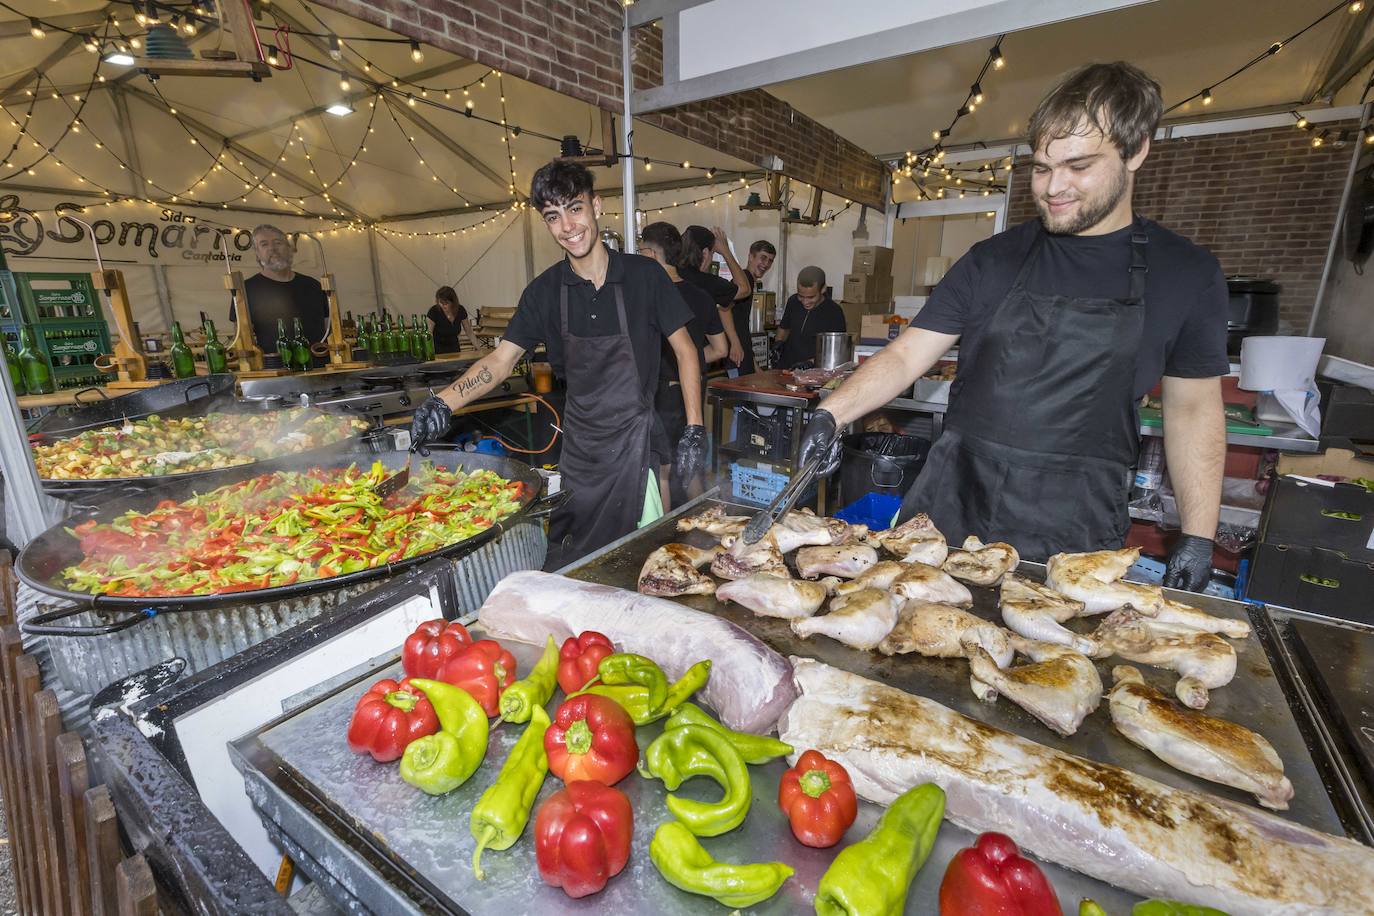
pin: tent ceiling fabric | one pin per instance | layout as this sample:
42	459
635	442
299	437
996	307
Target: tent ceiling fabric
892	106
392	178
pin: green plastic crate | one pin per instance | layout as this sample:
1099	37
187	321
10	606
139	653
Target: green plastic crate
60	297
70	347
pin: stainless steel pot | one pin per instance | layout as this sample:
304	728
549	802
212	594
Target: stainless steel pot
833	349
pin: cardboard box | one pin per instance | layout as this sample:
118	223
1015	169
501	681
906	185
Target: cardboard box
872	259
854	313
1334	462
868	288
881	327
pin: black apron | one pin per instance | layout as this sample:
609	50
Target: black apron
1042	432
607	423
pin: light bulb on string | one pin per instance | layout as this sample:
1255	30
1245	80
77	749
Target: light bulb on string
344	83
1207	96
36	29
416	54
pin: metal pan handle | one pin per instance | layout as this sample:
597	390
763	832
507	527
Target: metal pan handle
42	625
545	505
77	396
192	387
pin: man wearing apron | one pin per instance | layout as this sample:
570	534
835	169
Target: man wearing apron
602	316
1064	323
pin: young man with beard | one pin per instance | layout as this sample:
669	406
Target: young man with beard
278	292
602	316
1064	323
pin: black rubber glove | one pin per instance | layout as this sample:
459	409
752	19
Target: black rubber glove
775	357
820	438
690	457
431	422
1190	565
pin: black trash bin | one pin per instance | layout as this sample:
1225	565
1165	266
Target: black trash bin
884	463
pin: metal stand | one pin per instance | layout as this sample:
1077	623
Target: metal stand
245	344
340	351
128	359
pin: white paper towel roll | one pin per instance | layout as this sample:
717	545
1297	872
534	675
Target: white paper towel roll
1286	368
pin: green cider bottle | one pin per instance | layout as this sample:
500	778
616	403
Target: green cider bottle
300	347
398	336
383	335
284	349
427	340
365	335
216	357
183	362
34	367
413	338
12	360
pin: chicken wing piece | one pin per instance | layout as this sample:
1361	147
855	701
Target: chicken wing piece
1196	743
981	564
674	569
1204	661
880	575
921	582
714	522
1060	687
1176	612
845	562
916	540
1092	579
861	620
770	595
937	630
740	560
1036	612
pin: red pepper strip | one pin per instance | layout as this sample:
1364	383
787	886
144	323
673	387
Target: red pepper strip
991	877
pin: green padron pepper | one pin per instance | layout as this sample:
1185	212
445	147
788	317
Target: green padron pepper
872	877
443	761
636	701
624	668
755	749
684	864
692	750
535	689
500	815
1090	907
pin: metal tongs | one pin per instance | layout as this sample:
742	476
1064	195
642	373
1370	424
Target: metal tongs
397	482
782	503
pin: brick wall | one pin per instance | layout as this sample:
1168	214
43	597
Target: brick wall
1264	202
574	48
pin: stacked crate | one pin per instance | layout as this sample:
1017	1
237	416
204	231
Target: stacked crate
68	324
868	288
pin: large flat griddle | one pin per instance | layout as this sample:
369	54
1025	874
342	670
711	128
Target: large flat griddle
1341	664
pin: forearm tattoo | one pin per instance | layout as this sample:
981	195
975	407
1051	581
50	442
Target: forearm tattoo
468	384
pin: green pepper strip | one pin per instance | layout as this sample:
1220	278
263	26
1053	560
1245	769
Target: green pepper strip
874	875
624	668
1159	907
684	864
443	761
692	750
634	699
755	749
502	812
536	689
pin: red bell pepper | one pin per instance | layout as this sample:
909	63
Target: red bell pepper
582	837
992	879
591	737
432	644
818	799
484	670
578	658
388	717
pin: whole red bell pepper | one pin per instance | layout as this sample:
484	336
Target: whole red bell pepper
484	670
582	837
432	644
992	879
578	658
818	799
592	737
388	717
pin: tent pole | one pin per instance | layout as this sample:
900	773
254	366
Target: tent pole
376	267
527	218
164	295
627	133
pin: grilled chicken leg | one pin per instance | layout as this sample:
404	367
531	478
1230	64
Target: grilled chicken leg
916	540
981	564
674	569
937	631
770	595
880	575
740	560
714	522
1036	612
1195	743
921	582
1204	661
1059	688
847	561
860	619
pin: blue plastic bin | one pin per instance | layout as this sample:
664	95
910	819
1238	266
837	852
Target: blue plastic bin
755	485
876	510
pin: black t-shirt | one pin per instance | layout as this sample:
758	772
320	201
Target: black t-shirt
653	309
1185	293
705	322
446	332
300	297
722	291
802	326
739	315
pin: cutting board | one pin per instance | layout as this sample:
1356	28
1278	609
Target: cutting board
1153	417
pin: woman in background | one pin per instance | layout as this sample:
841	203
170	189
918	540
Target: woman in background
447	318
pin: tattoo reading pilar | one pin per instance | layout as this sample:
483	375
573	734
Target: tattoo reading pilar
466	385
